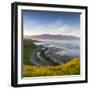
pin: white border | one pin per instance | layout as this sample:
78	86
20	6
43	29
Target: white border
82	48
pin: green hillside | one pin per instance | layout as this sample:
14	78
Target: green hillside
29	47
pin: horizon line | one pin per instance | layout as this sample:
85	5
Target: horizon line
53	34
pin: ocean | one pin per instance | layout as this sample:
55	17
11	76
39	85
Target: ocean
70	47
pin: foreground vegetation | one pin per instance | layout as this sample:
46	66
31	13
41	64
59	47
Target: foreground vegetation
70	68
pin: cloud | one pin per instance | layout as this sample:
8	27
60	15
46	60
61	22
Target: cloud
57	27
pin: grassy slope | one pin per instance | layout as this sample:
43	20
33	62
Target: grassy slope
70	68
29	47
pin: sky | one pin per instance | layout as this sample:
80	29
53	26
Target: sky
54	23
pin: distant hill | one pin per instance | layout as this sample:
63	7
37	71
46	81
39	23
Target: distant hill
52	37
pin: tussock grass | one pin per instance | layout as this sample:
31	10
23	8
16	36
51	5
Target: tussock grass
72	67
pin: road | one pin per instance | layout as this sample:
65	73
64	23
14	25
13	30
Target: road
37	60
34	59
44	61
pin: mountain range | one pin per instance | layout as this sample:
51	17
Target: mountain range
52	37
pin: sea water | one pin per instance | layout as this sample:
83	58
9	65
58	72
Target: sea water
71	47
